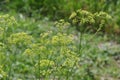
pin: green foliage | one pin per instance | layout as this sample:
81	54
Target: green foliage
62	9
59	8
41	50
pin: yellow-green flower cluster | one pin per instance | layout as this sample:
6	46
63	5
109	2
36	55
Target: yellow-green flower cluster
46	34
35	49
102	18
71	57
20	38
69	62
83	17
7	20
102	15
61	39
46	63
44	37
28	52
6	23
55	39
46	66
61	25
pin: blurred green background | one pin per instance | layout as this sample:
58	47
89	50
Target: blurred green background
57	9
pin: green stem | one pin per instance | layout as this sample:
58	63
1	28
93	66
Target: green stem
96	32
80	43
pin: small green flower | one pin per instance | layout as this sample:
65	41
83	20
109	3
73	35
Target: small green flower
7	20
61	25
45	66
28	52
46	63
73	15
82	17
21	38
61	39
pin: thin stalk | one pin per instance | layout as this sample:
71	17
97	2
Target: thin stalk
4	41
80	35
96	32
80	43
39	65
48	68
